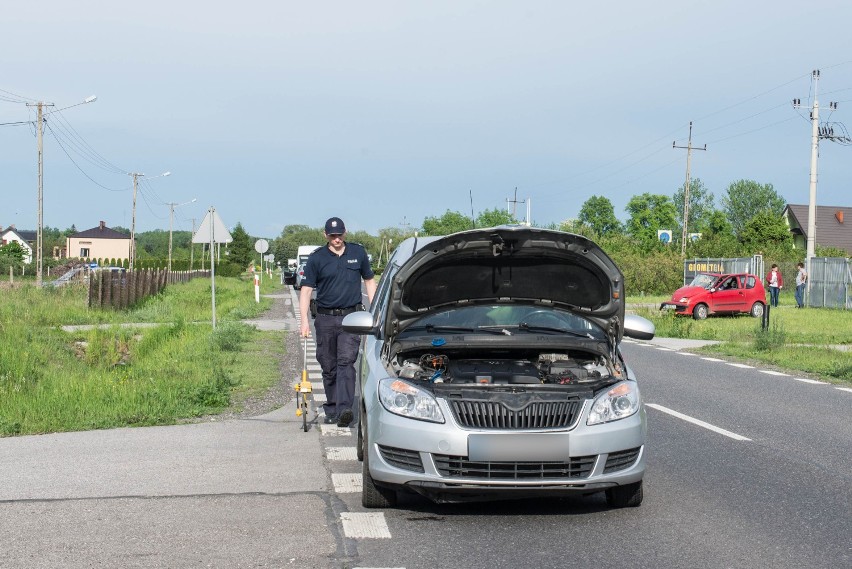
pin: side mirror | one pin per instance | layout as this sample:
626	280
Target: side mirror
360	322
637	327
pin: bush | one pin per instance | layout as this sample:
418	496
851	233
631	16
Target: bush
772	338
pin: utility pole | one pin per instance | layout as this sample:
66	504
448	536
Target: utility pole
689	148
172	207
39	234
133	222
192	246
514	203
826	132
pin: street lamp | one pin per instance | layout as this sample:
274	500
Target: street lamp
136	176
40	130
172	207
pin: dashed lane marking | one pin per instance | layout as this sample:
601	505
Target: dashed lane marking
712	359
335	431
698	422
662	349
320	397
349	483
341	453
358	525
770	372
743	366
688	354
844	389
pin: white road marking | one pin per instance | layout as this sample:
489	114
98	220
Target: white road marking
844	389
813	381
320	397
770	372
662	349
341	453
688	354
698	422
347	483
364	525
712	359
744	366
335	431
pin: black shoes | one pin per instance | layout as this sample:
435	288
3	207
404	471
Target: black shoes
345	418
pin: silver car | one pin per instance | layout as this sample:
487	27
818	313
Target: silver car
491	369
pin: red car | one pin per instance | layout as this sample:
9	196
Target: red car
711	293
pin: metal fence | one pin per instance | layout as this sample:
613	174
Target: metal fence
830	283
753	265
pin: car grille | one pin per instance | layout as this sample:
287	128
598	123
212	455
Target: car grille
495	415
461	467
402	458
621	459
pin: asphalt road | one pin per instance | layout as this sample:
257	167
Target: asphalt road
765	480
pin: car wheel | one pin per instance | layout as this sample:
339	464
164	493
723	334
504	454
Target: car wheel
627	496
373	496
700	312
757	309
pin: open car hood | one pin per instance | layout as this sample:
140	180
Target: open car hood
506	265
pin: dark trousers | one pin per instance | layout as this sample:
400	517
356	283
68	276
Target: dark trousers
336	354
773	296
800	295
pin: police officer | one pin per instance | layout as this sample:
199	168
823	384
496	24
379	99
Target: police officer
335	271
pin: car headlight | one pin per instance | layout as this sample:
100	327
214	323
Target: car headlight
617	403
685	299
402	398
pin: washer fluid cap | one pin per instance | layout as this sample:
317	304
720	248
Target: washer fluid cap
438	342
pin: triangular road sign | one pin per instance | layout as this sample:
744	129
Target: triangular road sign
220	232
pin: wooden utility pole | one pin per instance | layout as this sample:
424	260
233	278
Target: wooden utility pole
689	148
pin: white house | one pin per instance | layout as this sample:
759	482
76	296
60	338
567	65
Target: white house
26	239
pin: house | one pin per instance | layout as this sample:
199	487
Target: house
26	239
833	226
99	243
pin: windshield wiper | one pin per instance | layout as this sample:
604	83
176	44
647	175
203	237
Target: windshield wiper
432	329
533	328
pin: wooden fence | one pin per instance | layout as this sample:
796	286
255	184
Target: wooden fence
122	288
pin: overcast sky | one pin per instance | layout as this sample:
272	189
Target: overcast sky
279	112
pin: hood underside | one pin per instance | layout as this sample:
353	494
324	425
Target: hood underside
508	265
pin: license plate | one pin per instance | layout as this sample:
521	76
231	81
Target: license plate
521	447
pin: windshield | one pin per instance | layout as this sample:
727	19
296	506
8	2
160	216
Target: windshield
507	320
704	281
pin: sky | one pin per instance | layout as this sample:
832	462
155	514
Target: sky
278	112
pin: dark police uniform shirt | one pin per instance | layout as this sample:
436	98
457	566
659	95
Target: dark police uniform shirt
337	280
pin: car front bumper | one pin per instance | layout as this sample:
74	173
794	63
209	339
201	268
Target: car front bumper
450	463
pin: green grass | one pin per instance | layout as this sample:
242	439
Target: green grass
121	375
800	341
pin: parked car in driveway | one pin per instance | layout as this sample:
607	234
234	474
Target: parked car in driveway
491	368
712	293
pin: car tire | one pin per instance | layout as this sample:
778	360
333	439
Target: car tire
757	309
700	312
373	496
627	496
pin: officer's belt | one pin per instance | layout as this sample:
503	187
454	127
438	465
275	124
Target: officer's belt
337	311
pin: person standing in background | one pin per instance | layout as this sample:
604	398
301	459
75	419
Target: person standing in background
775	282
801	280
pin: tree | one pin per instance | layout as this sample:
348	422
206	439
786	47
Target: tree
286	245
648	213
241	249
494	217
701	206
747	198
12	251
766	230
597	212
450	222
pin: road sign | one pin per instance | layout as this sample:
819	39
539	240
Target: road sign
220	233
261	246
